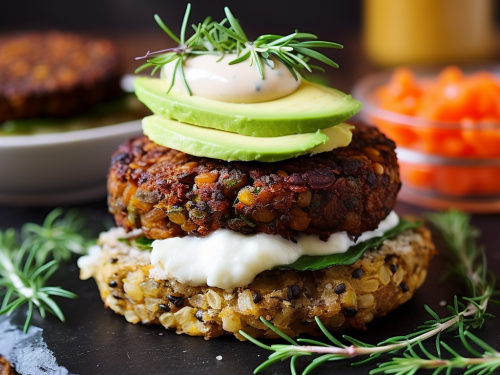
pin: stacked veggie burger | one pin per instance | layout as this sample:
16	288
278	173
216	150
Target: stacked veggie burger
249	196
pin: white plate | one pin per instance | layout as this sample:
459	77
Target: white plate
59	168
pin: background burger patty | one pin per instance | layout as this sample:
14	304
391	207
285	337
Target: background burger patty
169	193
55	74
341	296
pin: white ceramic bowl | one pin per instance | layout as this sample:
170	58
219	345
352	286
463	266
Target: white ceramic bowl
59	168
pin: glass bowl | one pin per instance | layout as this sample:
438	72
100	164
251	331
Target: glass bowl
443	164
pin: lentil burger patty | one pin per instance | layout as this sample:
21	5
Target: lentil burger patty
168	193
341	296
55	74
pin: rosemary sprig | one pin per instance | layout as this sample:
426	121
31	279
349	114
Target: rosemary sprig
482	363
26	266
227	36
468	262
460	237
60	235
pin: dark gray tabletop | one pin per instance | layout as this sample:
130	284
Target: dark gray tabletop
97	341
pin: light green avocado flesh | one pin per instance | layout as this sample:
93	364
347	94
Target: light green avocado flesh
217	144
309	108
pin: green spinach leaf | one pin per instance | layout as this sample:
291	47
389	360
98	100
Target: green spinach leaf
314	263
142	243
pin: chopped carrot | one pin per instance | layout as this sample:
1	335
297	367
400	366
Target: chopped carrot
454	181
441	141
452	97
485	143
470	101
450	74
487	180
418	175
404	135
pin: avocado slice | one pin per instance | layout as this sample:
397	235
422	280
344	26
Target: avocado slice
309	108
218	144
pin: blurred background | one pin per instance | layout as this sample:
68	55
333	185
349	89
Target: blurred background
130	24
134	15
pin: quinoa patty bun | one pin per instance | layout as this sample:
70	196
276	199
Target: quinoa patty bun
341	296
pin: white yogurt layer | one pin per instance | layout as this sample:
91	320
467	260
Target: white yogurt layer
239	83
227	259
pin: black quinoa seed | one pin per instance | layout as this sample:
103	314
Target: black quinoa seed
199	315
257	297
293	292
177	301
164	307
393	268
113	284
358	273
113	260
349	312
339	289
404	287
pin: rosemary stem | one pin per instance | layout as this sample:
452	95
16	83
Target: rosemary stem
178	49
478	361
458	362
354	351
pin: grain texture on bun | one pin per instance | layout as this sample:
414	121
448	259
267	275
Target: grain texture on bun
341	296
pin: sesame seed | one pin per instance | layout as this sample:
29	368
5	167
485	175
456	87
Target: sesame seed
164	307
404	287
339	289
257	297
293	292
177	301
349	312
358	273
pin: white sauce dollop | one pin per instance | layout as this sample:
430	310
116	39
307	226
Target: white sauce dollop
227	259
238	83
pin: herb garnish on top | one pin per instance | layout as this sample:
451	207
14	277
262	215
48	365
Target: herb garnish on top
221	38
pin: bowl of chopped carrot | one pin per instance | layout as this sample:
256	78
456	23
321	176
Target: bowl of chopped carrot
446	124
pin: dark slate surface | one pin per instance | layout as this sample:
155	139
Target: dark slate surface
96	341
